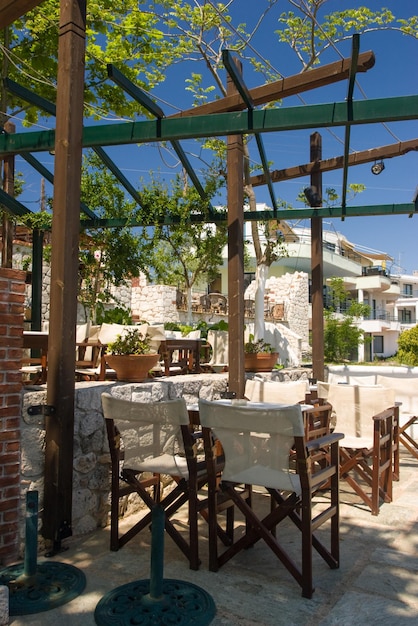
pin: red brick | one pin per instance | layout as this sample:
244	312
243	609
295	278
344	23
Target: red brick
9	481
13	446
11	504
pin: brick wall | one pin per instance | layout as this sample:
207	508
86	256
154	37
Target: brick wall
12	291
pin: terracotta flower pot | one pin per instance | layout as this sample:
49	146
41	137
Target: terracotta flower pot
260	361
132	368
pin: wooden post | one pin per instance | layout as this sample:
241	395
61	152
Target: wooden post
235	199
317	268
9	187
64	271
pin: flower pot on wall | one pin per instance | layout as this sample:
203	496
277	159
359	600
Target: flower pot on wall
260	361
133	368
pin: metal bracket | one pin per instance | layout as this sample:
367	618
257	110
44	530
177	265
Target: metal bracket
41	409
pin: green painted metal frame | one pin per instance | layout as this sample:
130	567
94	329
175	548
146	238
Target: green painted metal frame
143	98
350	90
285	214
246	96
396	109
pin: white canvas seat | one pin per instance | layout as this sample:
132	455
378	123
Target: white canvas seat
367	416
147	439
257	441
290	392
218	341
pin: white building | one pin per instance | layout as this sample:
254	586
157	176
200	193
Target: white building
393	299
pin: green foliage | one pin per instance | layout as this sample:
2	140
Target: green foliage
117	315
181	251
341	335
131	342
341	338
254	347
408	347
108	256
126	34
310	32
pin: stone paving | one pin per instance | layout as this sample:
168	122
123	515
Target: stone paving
377	582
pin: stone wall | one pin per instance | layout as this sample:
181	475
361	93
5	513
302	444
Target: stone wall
12	296
291	290
91	465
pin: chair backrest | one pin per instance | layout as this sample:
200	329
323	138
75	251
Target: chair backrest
275	391
150	432
256	440
355	406
218	340
406	391
109	332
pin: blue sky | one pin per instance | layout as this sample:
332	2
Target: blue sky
395	73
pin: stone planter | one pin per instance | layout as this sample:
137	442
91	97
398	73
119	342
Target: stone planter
260	361
133	368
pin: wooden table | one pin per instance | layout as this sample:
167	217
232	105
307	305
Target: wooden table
38	340
189	355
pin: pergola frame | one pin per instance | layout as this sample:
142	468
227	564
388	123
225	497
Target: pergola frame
226	117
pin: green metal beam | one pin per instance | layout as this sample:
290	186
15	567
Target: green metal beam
402	108
350	90
12	205
43	171
49	107
283	214
143	98
30	96
241	87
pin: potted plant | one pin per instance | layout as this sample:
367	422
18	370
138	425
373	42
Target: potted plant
259	356
131	356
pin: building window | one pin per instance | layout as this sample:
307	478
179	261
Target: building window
407	290
406	316
248	278
378	344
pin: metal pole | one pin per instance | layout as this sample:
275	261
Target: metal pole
31	537
157	553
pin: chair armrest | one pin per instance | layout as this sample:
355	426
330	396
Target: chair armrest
383	415
320	442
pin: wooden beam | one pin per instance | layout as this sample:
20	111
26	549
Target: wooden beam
291	86
356	158
11	10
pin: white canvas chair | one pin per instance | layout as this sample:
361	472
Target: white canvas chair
257	442
317	418
366	416
406	393
291	392
218	341
145	441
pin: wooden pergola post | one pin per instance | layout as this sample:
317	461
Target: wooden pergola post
9	187
317	268
64	273
235	199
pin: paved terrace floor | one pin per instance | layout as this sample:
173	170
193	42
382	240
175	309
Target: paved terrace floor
377	582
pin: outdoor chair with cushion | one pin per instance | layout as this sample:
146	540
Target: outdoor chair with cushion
257	441
147	440
291	392
366	416
218	341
